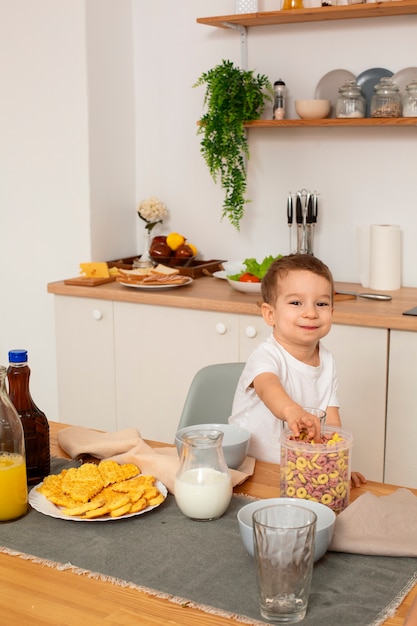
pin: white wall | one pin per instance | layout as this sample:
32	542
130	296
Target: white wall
364	175
66	160
97	112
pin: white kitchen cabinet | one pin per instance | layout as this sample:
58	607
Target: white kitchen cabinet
252	330
159	349
122	364
401	438
361	355
85	362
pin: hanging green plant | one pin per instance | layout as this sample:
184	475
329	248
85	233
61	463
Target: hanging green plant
233	96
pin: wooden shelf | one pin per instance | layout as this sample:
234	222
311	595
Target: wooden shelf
366	121
320	14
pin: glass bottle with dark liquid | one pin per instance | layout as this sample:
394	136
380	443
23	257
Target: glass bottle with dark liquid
34	421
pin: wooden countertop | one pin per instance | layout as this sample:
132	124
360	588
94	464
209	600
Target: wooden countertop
37	594
213	294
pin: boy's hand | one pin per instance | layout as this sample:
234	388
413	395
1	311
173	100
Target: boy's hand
357	479
301	421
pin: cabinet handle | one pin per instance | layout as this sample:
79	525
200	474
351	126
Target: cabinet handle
221	329
251	332
97	315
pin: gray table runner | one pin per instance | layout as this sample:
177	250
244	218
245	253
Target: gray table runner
206	563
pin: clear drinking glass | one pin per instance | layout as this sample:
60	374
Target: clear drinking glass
319	413
284	536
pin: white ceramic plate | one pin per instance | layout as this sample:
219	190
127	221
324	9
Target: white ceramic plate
403	77
43	505
328	86
233	267
151	287
244	287
220	274
367	81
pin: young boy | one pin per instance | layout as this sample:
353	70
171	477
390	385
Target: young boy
291	369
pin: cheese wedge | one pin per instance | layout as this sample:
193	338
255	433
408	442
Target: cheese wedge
94	270
164	270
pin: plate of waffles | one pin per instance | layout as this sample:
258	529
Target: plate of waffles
40	503
83	495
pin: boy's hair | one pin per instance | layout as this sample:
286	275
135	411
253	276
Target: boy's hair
289	263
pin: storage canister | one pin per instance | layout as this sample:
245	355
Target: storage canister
317	471
351	102
386	101
410	100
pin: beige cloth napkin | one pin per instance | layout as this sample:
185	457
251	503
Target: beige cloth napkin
127	446
384	525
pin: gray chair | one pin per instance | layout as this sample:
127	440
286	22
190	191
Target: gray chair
210	397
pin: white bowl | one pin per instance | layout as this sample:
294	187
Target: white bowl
244	287
312	109
233	267
235	441
324	529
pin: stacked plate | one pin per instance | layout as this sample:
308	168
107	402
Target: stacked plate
328	86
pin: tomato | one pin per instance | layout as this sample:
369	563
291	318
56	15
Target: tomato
248	278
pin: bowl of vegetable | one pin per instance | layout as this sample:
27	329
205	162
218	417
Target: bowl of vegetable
245	287
250	278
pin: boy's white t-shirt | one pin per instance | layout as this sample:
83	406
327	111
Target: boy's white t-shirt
309	386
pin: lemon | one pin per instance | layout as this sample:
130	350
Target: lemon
193	248
175	240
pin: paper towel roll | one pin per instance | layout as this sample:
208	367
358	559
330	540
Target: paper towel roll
385	257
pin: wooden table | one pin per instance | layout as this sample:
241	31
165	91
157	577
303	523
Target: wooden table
40	595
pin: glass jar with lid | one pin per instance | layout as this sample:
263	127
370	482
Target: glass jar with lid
386	101
351	101
410	100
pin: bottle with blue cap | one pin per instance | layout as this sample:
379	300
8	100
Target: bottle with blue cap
34	421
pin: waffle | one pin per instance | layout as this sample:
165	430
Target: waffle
92	491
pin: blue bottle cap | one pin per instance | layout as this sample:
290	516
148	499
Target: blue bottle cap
18	356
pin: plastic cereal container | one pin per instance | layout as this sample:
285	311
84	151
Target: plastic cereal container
317	471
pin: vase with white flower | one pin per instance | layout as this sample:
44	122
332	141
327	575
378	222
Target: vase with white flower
151	211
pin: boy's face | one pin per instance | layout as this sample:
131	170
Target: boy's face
303	311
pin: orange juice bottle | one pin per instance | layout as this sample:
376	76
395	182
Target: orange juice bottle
13	483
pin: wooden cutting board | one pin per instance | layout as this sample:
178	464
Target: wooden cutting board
89	282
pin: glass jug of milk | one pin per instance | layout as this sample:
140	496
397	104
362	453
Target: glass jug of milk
203	485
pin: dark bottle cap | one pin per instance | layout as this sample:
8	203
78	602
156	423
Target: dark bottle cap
18	356
279	82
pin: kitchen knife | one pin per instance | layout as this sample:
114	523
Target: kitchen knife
315	208
299	218
290	214
369	296
309	223
298	209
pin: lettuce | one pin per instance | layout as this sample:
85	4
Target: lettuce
257	269
260	269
